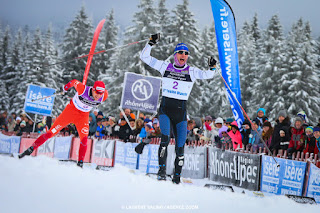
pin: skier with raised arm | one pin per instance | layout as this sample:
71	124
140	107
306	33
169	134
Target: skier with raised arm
77	112
177	82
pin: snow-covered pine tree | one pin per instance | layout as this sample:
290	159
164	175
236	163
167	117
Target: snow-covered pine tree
52	74
77	41
213	98
300	81
186	31
4	59
144	24
270	63
164	49
248	67
255	29
17	97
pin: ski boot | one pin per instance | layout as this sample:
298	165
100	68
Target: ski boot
162	172
176	178
26	152
80	164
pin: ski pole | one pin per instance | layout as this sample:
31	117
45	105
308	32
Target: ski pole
264	143
99	52
59	93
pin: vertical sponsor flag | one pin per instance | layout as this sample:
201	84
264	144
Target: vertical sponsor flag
227	46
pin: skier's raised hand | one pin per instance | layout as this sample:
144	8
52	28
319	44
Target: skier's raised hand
154	39
212	63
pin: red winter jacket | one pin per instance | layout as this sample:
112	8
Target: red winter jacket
297	139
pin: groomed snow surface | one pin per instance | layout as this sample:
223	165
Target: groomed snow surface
42	184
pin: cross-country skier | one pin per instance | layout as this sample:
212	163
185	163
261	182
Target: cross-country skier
177	81
77	112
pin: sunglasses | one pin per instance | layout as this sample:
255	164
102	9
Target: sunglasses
181	52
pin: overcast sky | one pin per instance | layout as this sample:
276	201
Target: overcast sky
61	12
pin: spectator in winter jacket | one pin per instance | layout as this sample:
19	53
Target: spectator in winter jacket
235	136
296	142
304	118
125	130
246	133
139	125
92	123
267	132
282	123
11	123
284	140
209	129
261	116
256	132
17	127
309	140
190	133
224	137
3	121
316	133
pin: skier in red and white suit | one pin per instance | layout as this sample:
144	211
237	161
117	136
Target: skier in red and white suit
77	112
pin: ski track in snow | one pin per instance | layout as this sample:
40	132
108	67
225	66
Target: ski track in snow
42	184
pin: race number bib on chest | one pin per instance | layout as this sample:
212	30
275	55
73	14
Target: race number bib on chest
176	83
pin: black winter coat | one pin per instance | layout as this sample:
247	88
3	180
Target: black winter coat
285	126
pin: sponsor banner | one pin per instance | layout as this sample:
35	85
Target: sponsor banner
144	159
313	187
47	148
226	35
42	107
153	166
286	179
170	159
131	156
75	150
120	152
140	92
62	147
25	143
234	168
9	144
102	152
195	162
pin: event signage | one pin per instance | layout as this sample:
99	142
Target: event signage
286	179
43	106
9	144
237	169
62	147
313	187
140	92
102	152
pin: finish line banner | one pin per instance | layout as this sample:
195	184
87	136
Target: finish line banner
225	28
140	92
43	106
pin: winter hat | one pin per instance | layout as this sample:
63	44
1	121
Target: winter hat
99	87
222	129
18	119
219	121
302	115
310	128
155	121
267	123
281	131
100	113
149	124
298	119
146	120
263	110
234	124
282	113
229	120
246	121
95	110
208	118
23	123
257	121
316	129
181	47
112	118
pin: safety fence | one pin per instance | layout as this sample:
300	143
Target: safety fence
255	172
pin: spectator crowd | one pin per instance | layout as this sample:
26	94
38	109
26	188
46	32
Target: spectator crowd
292	135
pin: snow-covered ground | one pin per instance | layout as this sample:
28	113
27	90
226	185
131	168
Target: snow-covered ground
41	184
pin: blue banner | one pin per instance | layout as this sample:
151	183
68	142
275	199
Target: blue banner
286	179
42	107
9	144
140	92
228	54
62	147
313	188
125	154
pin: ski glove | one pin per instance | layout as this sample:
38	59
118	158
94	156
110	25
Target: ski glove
154	39
139	148
212	63
67	87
